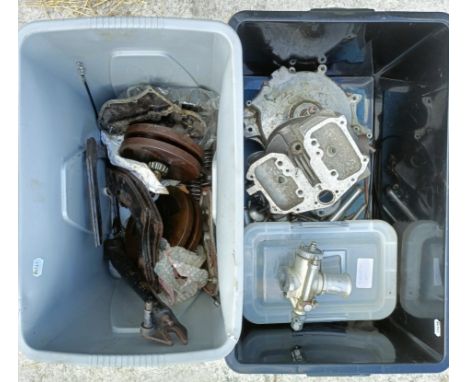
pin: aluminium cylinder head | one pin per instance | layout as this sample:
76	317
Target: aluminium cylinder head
309	164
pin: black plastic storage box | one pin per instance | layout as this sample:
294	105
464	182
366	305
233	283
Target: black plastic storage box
405	56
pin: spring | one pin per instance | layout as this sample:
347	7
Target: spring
195	189
207	164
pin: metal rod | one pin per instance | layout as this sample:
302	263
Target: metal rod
82	72
359	212
346	204
390	215
403	207
93	190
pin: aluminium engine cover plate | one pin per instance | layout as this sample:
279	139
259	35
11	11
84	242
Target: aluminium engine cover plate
313	176
291	94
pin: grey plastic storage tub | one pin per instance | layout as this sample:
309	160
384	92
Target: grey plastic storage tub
67	296
404	55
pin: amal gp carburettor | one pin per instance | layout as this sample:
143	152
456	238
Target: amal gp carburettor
304	280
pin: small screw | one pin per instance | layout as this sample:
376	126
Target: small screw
216	302
296	325
307	308
147	315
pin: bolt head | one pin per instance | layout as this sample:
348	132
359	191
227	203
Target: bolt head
307	307
297	323
296	326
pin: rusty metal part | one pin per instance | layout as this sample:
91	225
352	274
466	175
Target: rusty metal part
131	193
177	213
197	227
148	105
92	154
144	103
159	322
132	241
158	325
182	165
195	189
212	287
140	170
114	251
182	219
165	134
207	163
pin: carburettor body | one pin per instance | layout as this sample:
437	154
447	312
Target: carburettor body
304	280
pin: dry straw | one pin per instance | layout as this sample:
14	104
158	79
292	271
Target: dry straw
86	8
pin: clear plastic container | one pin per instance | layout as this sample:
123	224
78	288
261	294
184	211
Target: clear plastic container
421	269
366	250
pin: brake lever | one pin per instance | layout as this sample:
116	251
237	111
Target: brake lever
131	193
